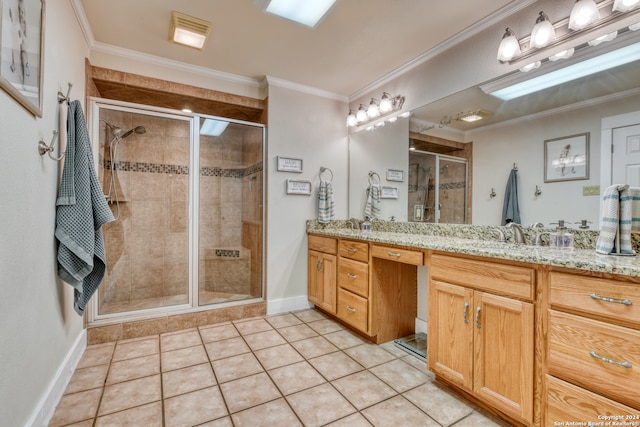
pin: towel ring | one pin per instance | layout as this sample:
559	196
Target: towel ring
372	180
323	170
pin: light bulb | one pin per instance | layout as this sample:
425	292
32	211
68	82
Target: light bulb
509	47
373	111
543	32
351	119
361	115
625	5
386	103
584	13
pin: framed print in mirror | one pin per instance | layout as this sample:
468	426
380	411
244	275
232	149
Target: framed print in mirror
566	158
21	51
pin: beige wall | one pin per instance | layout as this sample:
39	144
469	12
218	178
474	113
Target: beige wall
38	324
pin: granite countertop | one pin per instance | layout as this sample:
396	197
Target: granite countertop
482	241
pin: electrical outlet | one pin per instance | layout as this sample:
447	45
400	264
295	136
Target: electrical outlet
591	190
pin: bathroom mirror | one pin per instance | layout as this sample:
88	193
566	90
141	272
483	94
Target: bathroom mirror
512	133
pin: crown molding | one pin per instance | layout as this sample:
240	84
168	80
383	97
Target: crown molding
274	81
465	34
81	16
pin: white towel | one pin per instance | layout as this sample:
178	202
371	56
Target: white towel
325	202
372	208
620	216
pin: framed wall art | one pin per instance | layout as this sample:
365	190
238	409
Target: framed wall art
287	164
566	158
22	51
299	187
395	175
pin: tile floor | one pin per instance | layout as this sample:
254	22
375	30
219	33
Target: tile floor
294	369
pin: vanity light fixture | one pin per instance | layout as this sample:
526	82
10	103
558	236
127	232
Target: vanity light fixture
543	32
567	35
304	12
376	114
583	14
188	30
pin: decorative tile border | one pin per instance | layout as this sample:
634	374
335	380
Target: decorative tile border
180	169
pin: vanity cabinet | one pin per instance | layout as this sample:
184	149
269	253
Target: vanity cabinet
353	284
481	331
593	348
322	270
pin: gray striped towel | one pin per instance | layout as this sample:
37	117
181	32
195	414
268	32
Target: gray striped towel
325	202
620	216
372	208
81	211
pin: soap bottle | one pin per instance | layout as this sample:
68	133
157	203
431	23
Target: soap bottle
561	239
366	226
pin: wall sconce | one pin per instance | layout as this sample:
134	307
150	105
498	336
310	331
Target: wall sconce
376	114
188	31
585	17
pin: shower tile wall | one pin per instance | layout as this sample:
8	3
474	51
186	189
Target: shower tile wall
452	192
147	247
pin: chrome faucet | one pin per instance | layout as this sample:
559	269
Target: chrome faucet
518	233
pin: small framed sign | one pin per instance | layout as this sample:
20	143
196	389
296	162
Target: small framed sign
395	175
299	187
286	164
388	192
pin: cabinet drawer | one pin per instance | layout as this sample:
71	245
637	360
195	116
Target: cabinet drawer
598	356
602	298
352	309
354	276
509	280
354	250
567	402
328	245
399	255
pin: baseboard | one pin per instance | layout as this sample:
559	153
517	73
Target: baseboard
421	326
47	405
284	305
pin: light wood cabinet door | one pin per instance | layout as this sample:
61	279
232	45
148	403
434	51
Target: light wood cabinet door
504	352
451	333
322	280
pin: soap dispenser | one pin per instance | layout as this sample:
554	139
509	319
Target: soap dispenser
561	238
366	226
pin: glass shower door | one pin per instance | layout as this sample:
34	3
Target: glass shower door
230	211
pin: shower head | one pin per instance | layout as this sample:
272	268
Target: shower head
137	129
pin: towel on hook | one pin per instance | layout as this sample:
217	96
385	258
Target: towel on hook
81	211
510	208
620	216
372	207
325	202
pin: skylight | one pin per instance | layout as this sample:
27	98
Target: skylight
213	127
305	12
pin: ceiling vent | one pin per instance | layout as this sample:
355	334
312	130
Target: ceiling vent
188	30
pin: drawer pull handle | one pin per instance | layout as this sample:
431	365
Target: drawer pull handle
352	250
351	276
613	362
464	314
607	299
351	309
394	255
478	317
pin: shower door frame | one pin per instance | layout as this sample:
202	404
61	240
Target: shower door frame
192	306
436	199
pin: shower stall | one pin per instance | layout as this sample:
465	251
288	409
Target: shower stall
437	188
187	193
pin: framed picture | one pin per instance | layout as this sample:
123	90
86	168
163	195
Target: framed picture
566	158
22	51
395	175
299	187
388	192
286	164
